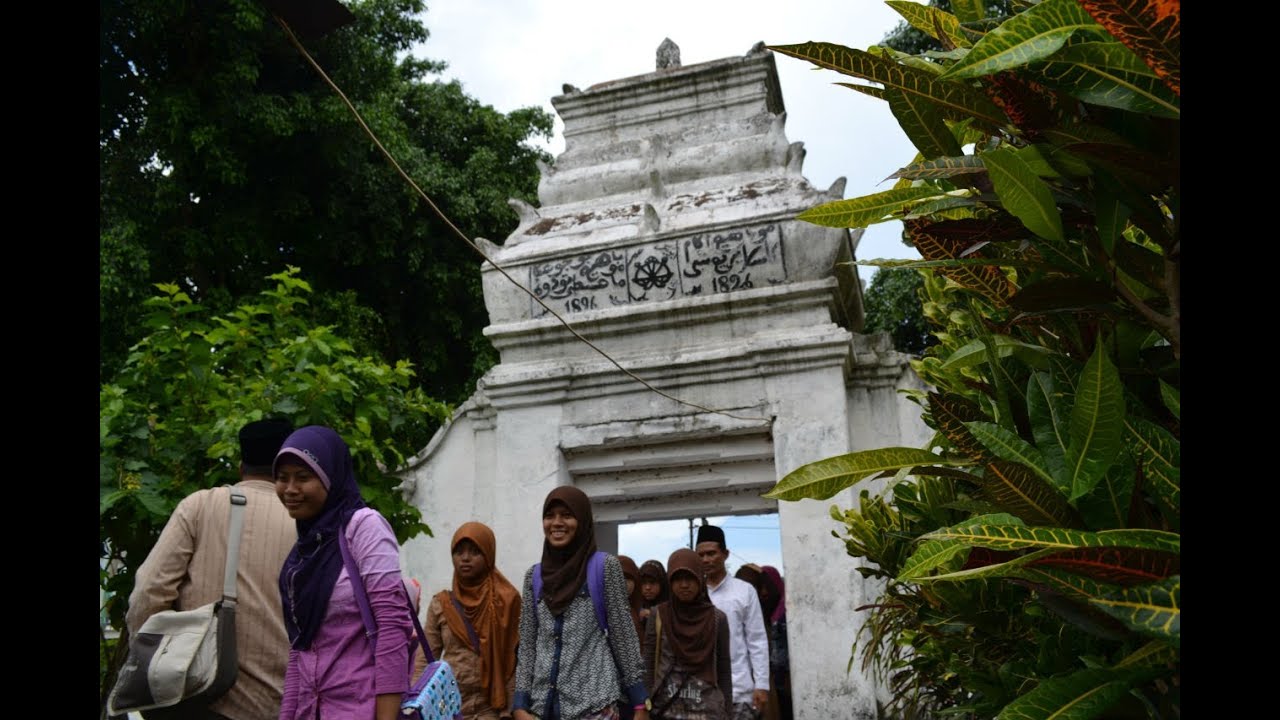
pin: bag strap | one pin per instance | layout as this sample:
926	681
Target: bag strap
366	614
471	631
595	587
234	527
657	653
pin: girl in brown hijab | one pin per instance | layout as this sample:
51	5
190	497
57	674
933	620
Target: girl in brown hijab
568	667
653	587
686	648
474	626
631	573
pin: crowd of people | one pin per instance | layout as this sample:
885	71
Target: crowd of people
325	624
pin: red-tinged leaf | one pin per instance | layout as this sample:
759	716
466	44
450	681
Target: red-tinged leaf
983	557
950	413
1114	565
1152	29
1030	106
988	280
1017	490
997	228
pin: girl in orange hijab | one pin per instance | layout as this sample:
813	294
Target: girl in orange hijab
475	626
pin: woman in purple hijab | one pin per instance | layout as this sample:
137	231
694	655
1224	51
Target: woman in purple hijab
335	671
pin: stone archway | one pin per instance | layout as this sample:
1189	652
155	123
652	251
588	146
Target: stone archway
667	236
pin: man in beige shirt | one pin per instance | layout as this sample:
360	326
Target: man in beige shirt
186	567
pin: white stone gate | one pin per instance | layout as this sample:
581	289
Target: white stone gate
666	237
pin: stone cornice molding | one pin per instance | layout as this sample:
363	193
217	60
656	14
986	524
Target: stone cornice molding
679	372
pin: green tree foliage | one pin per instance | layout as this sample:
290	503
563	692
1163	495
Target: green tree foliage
169	420
224	157
1031	554
892	304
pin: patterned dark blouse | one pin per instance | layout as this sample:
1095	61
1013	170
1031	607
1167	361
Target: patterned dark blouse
568	662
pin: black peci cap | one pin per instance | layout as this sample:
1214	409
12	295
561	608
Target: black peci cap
711	533
261	440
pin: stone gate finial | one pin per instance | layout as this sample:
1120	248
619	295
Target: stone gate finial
668	55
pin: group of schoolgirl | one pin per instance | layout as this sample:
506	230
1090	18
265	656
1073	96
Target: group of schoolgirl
588	637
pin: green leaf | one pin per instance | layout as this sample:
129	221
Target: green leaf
945	207
1020	537
824	478
1035	160
1112	216
1008	446
914	61
1024	38
968	10
950	96
942	167
1016	489
1004	569
930	555
922	122
1109	74
1097	422
1170	395
866	210
948	263
1024	195
106	500
876	92
1070	584
1082	695
1153	654
1047	412
975	352
155	503
1159	453
927	19
1107	504
1151	609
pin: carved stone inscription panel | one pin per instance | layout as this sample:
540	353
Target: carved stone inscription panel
702	264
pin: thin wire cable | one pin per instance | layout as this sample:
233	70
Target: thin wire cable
294	41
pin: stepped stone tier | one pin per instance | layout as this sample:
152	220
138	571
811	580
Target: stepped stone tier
665	235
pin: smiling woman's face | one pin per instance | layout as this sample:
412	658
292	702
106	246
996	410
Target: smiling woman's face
301	490
559	525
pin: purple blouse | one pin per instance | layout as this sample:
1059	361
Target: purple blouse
340	675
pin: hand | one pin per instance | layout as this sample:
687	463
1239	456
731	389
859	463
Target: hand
759	698
522	715
642	714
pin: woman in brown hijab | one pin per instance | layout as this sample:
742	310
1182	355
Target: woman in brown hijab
475	625
686	648
631	572
653	587
568	667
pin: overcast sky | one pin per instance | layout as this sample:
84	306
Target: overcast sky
518	53
750	539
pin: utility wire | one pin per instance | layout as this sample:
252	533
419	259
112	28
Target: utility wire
294	41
